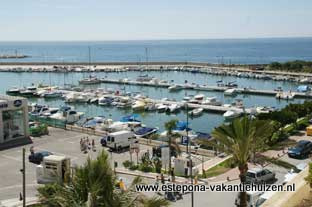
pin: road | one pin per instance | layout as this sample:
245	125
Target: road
63	142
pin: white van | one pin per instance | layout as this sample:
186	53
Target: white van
252	198
121	139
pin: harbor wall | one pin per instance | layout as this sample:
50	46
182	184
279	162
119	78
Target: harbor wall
288	198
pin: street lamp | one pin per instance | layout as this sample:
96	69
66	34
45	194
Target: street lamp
189	154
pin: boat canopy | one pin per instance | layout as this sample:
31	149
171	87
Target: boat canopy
303	88
130	118
143	130
203	136
182	125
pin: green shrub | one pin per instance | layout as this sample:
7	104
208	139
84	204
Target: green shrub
127	164
133	167
309	177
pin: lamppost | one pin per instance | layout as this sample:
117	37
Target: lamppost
189	155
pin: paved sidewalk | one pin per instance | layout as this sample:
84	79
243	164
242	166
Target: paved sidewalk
211	163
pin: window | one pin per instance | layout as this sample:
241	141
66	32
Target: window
113	139
13	124
250	174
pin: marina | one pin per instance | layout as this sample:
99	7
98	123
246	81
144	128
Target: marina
88	97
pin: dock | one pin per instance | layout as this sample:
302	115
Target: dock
204	87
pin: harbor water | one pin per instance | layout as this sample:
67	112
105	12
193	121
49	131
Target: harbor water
204	123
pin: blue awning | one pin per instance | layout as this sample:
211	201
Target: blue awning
303	88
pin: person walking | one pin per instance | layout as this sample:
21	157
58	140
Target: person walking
93	145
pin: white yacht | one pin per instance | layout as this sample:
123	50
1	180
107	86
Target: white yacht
13	91
230	114
175	87
212	101
196	112
67	114
173	108
286	95
138	105
230	92
199	97
90	80
161	107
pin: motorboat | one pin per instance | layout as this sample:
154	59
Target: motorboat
161	107
105	101
264	109
144	131
173	108
230	92
144	78
151	107
211	101
231	84
71	97
196	112
94	122
133	118
90	80
29	91
199	97
238	103
286	95
124	102
52	94
67	114
94	100
175	87
230	114
13	91
194	101
50	112
138	105
42	110
186	98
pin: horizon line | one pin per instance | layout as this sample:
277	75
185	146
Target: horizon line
164	39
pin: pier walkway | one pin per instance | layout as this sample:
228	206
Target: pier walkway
204	87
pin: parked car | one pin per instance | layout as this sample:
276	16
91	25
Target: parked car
38	156
302	149
259	175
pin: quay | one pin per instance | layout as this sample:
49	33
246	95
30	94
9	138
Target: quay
205	88
141	66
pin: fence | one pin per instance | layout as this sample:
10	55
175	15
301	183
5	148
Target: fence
49	121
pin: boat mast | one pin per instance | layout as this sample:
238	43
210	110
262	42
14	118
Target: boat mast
89	52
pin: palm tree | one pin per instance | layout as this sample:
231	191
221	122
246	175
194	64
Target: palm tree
239	139
170	125
94	185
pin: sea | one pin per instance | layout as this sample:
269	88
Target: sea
236	51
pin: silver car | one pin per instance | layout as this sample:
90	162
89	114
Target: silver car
259	175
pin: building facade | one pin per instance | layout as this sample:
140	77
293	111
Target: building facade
13	120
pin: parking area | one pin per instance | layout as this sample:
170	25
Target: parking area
62	142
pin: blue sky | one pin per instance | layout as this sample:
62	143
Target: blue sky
33	20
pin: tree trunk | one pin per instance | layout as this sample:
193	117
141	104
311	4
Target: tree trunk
169	171
243	195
